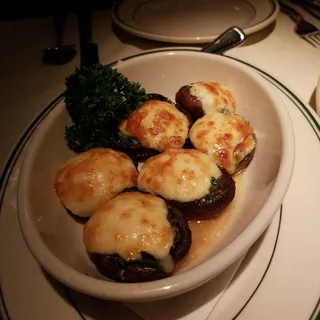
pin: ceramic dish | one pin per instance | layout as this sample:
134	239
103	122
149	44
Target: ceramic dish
192	21
263	288
47	228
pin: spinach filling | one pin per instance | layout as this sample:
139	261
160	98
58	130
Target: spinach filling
220	193
214	188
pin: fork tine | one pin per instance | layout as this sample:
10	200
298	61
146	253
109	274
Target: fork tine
307	38
314	39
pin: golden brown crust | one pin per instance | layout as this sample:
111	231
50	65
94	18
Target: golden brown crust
183	175
129	224
225	137
92	177
158	125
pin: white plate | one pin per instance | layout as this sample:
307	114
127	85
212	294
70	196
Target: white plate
318	97
192	21
279	278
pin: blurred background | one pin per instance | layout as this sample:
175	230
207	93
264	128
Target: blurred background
22	9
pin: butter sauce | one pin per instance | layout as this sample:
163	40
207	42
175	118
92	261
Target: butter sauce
205	233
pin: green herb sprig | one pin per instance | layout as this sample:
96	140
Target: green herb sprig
97	98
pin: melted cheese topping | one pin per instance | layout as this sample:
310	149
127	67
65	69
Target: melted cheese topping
182	175
227	138
214	97
158	125
130	223
86	181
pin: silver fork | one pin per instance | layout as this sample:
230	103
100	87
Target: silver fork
303	28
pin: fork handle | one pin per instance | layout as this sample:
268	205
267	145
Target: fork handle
59	20
294	15
89	53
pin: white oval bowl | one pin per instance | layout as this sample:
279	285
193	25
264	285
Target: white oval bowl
55	239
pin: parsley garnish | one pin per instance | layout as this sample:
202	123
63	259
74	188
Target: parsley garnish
97	98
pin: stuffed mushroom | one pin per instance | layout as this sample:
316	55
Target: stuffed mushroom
201	98
228	139
160	97
157	126
189	180
136	237
90	178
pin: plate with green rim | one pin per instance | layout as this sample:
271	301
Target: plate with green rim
265	287
189	21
